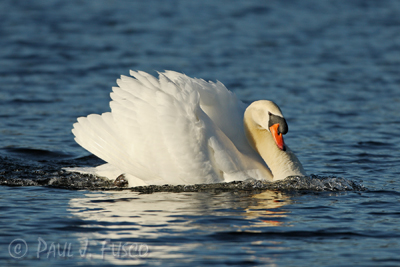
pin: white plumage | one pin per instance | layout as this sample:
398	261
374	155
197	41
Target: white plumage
171	130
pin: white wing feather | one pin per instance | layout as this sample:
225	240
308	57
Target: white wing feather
174	129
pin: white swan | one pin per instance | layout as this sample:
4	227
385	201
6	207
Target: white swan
179	130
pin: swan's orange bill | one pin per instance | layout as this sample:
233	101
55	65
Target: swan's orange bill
277	137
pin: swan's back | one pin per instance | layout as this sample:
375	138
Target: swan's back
168	130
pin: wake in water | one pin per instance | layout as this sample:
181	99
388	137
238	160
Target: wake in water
17	173
309	183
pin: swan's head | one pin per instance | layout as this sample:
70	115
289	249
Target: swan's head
267	115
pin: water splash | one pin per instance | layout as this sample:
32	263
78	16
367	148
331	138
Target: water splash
293	183
22	173
319	183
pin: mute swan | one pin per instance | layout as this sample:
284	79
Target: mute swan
180	130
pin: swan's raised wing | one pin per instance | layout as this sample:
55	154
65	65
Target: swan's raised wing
168	130
220	104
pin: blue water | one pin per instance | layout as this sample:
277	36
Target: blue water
332	66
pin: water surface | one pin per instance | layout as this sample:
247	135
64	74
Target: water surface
332	66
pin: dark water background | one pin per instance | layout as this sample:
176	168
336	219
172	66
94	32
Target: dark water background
332	66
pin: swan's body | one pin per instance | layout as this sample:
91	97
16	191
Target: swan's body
179	130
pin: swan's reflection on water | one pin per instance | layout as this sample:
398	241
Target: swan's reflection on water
269	208
171	225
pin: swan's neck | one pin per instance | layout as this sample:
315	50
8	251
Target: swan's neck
281	163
